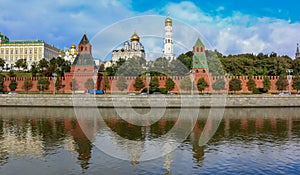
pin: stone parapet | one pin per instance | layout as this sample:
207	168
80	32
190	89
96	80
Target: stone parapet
139	101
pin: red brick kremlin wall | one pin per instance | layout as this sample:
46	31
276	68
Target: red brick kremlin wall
83	76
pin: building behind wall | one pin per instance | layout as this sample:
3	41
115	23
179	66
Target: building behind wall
130	49
30	50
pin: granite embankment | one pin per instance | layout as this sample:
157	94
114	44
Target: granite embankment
172	101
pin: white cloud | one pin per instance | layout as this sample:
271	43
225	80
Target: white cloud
59	22
62	22
239	33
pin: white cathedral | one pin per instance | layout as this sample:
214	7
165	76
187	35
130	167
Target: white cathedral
135	49
132	49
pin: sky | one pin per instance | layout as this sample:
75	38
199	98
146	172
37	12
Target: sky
230	26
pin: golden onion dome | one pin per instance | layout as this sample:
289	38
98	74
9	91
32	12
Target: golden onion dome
73	46
135	37
168	21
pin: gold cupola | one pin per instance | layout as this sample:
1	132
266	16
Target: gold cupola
73	46
168	21
135	37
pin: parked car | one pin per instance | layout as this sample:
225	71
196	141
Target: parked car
131	94
284	93
12	93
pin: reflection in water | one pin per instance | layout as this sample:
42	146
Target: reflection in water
39	132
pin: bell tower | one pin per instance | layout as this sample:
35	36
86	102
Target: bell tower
168	40
199	59
297	51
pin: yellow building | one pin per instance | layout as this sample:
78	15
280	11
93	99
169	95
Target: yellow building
30	50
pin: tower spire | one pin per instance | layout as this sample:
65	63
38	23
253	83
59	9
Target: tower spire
297	51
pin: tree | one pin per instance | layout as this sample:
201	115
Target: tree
170	84
138	84
251	84
27	84
131	67
1	82
43	64
13	85
89	84
101	68
235	84
154	84
281	83
34	69
43	84
2	62
21	63
296	83
121	83
186	59
105	83
219	84
186	83
201	84
74	85
11	74
266	84
58	84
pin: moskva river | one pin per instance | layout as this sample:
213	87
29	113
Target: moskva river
65	141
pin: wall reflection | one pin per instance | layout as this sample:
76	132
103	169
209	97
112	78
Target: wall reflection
37	132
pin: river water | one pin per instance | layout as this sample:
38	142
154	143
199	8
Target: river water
63	141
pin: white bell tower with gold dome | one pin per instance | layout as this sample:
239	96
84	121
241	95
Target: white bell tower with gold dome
168	40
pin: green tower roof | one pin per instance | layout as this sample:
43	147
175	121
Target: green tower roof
84	59
199	42
200	61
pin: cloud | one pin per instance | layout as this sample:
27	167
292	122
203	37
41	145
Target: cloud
238	32
63	22
59	22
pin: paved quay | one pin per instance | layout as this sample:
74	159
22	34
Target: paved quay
171	101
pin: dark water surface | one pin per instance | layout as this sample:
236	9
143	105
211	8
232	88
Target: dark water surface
52	141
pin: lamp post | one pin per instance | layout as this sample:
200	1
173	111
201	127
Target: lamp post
227	78
289	78
95	79
192	76
148	82
54	81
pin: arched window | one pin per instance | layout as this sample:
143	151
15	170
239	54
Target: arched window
197	49
203	71
201	49
81	48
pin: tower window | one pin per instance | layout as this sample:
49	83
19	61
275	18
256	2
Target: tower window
201	49
85	48
197	49
203	71
81	48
